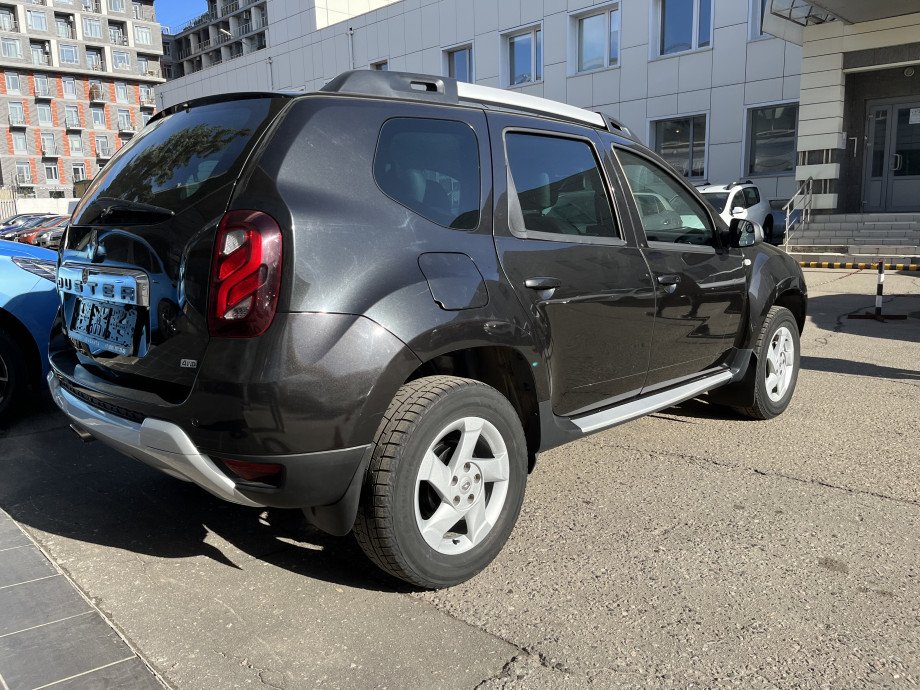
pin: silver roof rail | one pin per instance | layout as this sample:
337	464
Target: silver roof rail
535	104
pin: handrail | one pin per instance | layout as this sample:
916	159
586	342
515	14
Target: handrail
805	192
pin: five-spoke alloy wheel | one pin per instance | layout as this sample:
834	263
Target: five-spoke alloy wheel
445	483
777	352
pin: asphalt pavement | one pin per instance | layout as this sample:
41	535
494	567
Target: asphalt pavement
690	548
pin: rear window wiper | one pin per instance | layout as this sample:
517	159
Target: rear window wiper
123	208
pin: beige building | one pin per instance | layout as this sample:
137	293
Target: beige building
78	81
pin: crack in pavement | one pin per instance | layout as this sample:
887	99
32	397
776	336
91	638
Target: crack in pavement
764	473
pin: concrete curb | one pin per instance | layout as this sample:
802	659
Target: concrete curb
858	266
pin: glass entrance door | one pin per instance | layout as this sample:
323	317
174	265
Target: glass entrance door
892	165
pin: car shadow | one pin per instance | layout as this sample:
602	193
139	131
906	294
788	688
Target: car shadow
57	484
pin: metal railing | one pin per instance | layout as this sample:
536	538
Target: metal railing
118	38
72	122
8	23
798	209
49	151
41	59
96	93
103	152
63	31
23	179
229	8
92	6
42	90
17	120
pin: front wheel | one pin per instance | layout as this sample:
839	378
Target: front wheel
13	375
445	483
778	353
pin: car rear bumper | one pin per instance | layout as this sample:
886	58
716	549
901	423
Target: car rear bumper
310	479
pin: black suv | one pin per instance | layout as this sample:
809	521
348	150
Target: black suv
379	302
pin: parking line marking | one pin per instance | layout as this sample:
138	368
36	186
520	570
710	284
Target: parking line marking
10	548
42	625
77	675
46	577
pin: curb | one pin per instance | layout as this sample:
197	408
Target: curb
858	266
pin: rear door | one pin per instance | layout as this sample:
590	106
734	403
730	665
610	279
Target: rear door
563	247
136	260
700	285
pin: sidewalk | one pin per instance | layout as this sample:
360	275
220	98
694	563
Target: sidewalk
50	635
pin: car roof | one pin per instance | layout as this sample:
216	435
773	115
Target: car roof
707	188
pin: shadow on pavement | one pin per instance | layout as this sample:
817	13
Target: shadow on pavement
54	483
830	313
845	366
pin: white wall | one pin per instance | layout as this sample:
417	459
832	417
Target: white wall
63	207
722	81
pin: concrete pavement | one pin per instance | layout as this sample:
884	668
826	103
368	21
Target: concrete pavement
686	549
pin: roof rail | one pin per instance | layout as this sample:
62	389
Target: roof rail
737	182
435	89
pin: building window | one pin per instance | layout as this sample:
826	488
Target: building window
94	59
69	87
772	139
44	114
117	5
10	48
102	146
38	21
12	83
41	85
682	143
121	60
69	54
143	35
460	64
64	26
684	25
75	141
78	171
381	66
598	39
121	92
146	94
17	113
124	121
98	117
51	172
19	142
48	145
7	21
759	9
92	27
525	57
23	172
71	116
145	118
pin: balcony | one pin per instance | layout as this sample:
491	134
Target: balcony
72	122
230	8
148	101
50	151
96	94
63	31
92	6
17	121
125	128
38	2
24	179
151	72
8	23
41	60
144	14
42	90
98	67
103	152
118	39
204	45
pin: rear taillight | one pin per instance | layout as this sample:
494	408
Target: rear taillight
245	275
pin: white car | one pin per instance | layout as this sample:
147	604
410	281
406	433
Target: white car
740	200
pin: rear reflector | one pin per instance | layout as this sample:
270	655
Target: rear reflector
262	472
245	275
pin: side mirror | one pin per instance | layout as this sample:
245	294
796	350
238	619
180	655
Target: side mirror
737	211
744	233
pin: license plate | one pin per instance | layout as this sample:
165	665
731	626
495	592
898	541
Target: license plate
105	326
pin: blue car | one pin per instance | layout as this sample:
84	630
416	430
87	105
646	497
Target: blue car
28	304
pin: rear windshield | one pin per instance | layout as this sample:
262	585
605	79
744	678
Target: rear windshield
182	157
716	199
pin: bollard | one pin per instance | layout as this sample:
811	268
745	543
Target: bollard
879	293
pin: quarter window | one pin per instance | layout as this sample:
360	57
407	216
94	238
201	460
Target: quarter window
772	139
432	168
525	57
682	143
684	25
557	188
751	196
599	40
668	211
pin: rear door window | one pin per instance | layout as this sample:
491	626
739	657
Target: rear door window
752	195
183	157
432	168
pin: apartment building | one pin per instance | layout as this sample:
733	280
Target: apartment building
78	81
226	31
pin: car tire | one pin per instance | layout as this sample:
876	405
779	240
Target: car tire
768	229
13	377
778	351
445	482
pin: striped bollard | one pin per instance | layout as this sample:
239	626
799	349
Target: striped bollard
879	294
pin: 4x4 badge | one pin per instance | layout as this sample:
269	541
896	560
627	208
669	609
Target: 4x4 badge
189	363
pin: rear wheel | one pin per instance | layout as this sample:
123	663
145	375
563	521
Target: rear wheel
777	365
768	229
445	483
12	374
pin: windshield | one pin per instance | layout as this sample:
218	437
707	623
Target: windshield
716	199
183	157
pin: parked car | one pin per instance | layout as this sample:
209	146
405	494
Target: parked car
16	220
379	302
12	231
28	304
49	225
741	200
51	238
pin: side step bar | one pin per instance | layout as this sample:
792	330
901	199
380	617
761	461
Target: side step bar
643	406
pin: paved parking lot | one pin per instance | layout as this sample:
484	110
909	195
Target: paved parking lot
687	549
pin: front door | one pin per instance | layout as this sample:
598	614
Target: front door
577	271
892	166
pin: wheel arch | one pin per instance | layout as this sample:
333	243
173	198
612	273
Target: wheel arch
795	301
21	335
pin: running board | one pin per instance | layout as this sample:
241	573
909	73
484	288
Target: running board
643	406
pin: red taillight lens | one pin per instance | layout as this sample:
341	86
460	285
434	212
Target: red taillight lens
263	472
245	275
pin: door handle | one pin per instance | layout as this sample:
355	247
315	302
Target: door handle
542	283
898	162
669	280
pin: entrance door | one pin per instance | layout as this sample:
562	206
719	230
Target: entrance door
892	165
